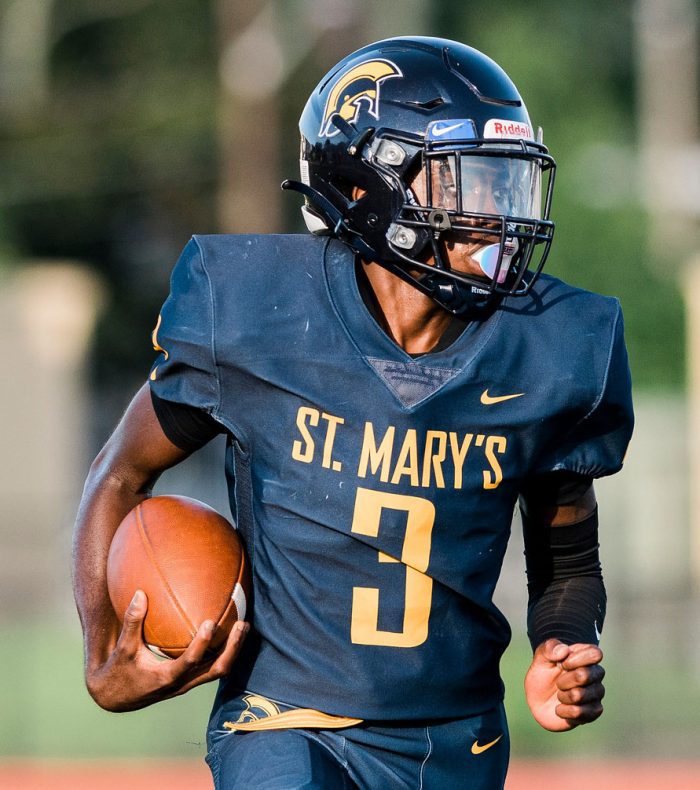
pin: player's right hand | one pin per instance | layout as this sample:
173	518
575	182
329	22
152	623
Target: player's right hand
133	677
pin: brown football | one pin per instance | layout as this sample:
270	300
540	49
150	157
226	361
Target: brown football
190	563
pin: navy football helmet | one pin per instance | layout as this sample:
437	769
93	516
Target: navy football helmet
410	145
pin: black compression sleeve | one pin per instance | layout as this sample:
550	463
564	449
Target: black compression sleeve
187	427
567	598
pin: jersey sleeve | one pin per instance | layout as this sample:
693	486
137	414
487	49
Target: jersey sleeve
185	371
596	445
187	427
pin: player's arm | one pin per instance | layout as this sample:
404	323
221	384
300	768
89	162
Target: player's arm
121	672
563	686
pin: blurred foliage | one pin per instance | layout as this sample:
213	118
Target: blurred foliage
574	64
116	163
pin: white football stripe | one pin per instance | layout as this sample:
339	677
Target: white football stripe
238	597
155	649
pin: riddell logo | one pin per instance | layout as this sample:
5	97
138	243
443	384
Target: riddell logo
513	129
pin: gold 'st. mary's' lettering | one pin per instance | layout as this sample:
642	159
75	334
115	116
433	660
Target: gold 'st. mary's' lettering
376	457
459	453
303	449
432	459
494	444
407	463
436	459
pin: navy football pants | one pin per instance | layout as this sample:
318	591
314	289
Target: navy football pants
467	753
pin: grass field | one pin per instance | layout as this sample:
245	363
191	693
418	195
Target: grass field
46	714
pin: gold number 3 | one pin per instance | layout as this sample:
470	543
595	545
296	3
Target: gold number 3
415	555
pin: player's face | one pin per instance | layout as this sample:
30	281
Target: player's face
485	187
496	186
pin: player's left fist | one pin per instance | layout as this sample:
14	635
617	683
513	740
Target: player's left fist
564	685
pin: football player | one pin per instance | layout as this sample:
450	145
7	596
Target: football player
390	385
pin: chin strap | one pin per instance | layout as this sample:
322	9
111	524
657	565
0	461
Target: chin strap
459	299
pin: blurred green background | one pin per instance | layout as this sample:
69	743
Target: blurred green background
127	126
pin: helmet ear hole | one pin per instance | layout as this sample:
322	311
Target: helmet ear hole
346	188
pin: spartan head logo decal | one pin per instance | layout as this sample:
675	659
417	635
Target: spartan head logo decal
360	84
256	708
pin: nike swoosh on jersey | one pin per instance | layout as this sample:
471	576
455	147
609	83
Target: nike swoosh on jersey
478	749
438	132
489	400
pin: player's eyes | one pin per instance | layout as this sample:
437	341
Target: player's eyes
501	196
446	179
447	185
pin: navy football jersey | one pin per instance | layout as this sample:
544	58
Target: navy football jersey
375	491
